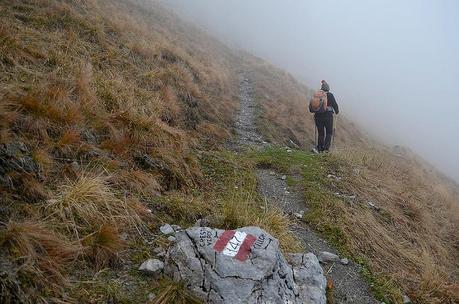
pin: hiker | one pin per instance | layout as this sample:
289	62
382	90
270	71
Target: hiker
323	105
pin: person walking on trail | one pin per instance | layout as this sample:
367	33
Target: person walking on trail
323	104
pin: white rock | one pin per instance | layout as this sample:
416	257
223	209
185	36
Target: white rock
171	238
152	266
338	178
151	296
176	227
289	151
298	215
344	261
325	257
193	260
272	173
166	229
283	177
373	205
406	299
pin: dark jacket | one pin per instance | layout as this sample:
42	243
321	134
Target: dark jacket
331	103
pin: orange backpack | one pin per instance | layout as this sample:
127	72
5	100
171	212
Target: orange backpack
318	102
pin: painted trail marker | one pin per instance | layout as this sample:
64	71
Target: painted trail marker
235	244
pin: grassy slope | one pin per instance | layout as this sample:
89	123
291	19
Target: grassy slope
117	102
409	242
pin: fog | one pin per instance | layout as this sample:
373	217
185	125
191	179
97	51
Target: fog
393	65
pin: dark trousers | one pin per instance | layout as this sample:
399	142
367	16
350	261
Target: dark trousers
324	124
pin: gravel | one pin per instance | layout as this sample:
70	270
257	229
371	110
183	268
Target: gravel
246	130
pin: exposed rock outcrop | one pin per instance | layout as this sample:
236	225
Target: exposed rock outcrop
243	266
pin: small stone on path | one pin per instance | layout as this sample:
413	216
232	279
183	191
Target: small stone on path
152	266
176	227
325	257
166	229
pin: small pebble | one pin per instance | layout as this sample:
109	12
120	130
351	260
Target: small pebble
166	229
298	215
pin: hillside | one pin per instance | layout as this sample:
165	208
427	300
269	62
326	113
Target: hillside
115	118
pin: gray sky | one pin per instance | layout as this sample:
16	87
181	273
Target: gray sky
393	65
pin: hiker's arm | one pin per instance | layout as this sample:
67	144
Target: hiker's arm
334	104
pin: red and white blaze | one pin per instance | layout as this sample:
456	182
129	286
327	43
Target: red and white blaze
235	244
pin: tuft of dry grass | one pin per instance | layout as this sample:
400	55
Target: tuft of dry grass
31	243
42	158
137	182
51	102
68	138
87	203
103	245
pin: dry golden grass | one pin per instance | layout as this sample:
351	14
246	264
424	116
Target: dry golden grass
411	239
125	78
33	244
68	138
85	66
137	182
87	203
102	246
43	159
100	82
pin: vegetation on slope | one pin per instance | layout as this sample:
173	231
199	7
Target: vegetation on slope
103	107
384	212
113	116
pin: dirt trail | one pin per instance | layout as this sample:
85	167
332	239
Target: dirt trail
349	286
245	127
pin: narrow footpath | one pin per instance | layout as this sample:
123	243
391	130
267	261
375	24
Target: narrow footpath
348	284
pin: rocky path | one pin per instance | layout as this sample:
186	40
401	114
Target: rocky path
348	284
245	127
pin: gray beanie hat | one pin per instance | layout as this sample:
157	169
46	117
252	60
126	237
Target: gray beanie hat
325	86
